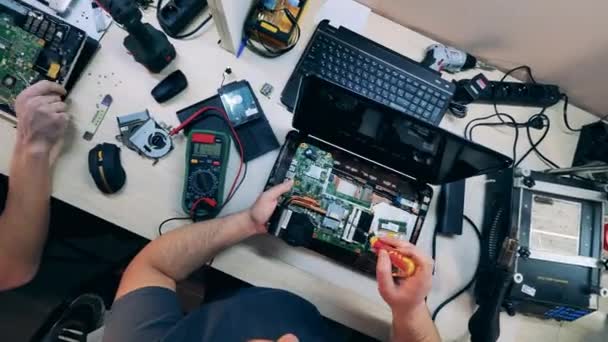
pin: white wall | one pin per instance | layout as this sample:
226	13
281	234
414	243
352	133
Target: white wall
565	42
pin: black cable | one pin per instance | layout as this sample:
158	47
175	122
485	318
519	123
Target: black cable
470	283
160	226
534	145
159	6
237	187
565	98
470	127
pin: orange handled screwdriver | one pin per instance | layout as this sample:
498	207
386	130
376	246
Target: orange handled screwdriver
403	263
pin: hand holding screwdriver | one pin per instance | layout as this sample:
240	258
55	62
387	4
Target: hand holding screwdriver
405	264
406	296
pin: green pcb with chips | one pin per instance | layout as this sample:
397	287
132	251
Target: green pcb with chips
18	53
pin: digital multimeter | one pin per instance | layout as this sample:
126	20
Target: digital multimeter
206	162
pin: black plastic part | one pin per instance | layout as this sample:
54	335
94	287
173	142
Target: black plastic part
450	209
469	63
170	86
592	144
177	14
520	94
380	133
106	169
468	91
299	230
484	325
150	47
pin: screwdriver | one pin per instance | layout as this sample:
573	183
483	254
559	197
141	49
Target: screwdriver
403	263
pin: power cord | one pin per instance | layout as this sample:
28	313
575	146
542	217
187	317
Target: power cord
471	125
159	6
470	283
565	98
534	144
534	122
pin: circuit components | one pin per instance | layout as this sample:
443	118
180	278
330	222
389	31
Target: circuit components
343	208
18	53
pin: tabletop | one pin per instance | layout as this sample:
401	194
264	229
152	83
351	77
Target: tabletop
152	192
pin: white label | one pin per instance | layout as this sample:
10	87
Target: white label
285	218
529	290
251	111
391	226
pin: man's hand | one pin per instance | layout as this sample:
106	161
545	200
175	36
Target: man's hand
411	318
42	117
404	295
263	207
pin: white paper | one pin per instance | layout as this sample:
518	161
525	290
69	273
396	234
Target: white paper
347	13
555	227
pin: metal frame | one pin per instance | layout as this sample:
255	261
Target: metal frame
593	198
563	190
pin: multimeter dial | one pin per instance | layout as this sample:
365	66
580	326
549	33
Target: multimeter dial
204	182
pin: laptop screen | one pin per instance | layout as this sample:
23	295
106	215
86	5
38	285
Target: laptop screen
377	132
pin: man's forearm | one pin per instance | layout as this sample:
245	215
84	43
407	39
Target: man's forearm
414	325
175	255
24	223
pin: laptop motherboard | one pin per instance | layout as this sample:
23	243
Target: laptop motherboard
345	204
19	50
34	46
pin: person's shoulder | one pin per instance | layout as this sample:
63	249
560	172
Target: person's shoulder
144	314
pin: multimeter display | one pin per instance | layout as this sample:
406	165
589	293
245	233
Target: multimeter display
206	162
209	150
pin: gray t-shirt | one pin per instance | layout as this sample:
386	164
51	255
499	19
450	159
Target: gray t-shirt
153	314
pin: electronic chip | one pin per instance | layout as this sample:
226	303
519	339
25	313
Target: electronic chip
336	211
310	154
266	90
392	225
330	223
315	172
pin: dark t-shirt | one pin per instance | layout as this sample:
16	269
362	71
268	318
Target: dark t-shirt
153	314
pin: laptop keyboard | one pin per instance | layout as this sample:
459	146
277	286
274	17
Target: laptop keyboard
373	78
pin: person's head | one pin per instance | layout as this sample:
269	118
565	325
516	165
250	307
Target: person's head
284	338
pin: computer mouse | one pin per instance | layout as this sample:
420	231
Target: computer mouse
106	169
170	86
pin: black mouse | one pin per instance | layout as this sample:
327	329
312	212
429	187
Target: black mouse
170	86
106	169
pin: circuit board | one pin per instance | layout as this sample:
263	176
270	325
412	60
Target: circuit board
340	208
18	53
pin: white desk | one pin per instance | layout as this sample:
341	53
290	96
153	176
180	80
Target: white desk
152	193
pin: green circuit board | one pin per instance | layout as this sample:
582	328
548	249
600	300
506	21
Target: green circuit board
311	169
18	53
